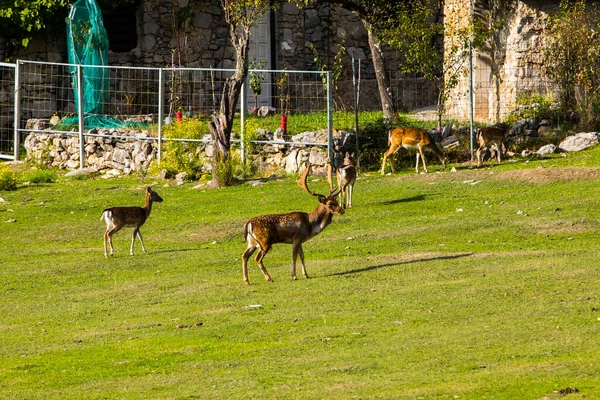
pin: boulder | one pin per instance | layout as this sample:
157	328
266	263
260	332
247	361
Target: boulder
580	141
547	149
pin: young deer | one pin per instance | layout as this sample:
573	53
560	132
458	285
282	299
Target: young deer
411	138
346	176
118	217
294	228
486	137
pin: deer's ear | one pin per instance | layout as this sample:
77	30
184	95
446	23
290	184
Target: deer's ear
149	189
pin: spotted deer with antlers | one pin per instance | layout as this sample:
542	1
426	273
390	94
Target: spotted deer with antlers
119	217
294	228
411	138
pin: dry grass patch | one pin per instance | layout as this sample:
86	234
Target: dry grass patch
548	175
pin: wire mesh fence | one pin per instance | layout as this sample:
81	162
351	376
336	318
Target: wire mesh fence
154	97
7	109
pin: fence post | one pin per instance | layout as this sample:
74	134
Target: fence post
355	87
17	122
471	96
161	111
243	123
329	118
81	117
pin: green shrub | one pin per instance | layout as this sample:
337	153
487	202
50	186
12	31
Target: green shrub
537	107
180	156
8	180
40	176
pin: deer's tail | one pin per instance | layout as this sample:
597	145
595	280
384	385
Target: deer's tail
247	228
105	213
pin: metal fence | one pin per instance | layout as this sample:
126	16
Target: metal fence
155	96
30	90
7	110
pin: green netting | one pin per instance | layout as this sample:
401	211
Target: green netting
97	121
87	45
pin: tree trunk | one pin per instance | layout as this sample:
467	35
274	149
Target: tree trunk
220	126
383	82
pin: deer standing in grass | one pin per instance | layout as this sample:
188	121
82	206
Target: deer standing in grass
487	137
118	217
294	228
346	176
411	138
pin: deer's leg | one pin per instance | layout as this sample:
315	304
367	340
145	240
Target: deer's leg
423	159
135	231
105	240
499	153
479	158
139	235
259	257
110	234
249	251
297	247
350	189
390	154
301	253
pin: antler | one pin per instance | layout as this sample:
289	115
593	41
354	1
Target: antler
302	182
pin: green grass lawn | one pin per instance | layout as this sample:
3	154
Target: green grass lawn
475	284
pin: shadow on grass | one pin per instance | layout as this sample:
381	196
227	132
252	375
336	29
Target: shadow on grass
166	251
374	267
406	200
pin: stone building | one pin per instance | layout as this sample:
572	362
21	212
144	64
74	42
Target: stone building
510	65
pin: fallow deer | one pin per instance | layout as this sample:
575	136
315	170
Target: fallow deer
118	217
294	228
411	138
487	137
346	176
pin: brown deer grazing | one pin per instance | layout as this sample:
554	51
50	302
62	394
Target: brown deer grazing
411	138
294	228
346	176
118	217
487	137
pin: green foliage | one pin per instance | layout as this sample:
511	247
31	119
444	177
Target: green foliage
22	21
229	170
572	59
256	79
8	178
179	156
409	28
537	107
338	64
37	175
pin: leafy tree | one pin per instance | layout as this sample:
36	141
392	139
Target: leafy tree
415	33
23	20
572	58
240	15
370	12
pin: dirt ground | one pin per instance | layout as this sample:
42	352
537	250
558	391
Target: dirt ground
547	175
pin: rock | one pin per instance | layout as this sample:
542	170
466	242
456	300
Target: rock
547	149
79	172
580	141
181	177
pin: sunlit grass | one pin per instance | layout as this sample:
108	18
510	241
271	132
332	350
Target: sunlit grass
481	283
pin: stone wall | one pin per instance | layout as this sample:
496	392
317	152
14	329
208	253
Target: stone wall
106	153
